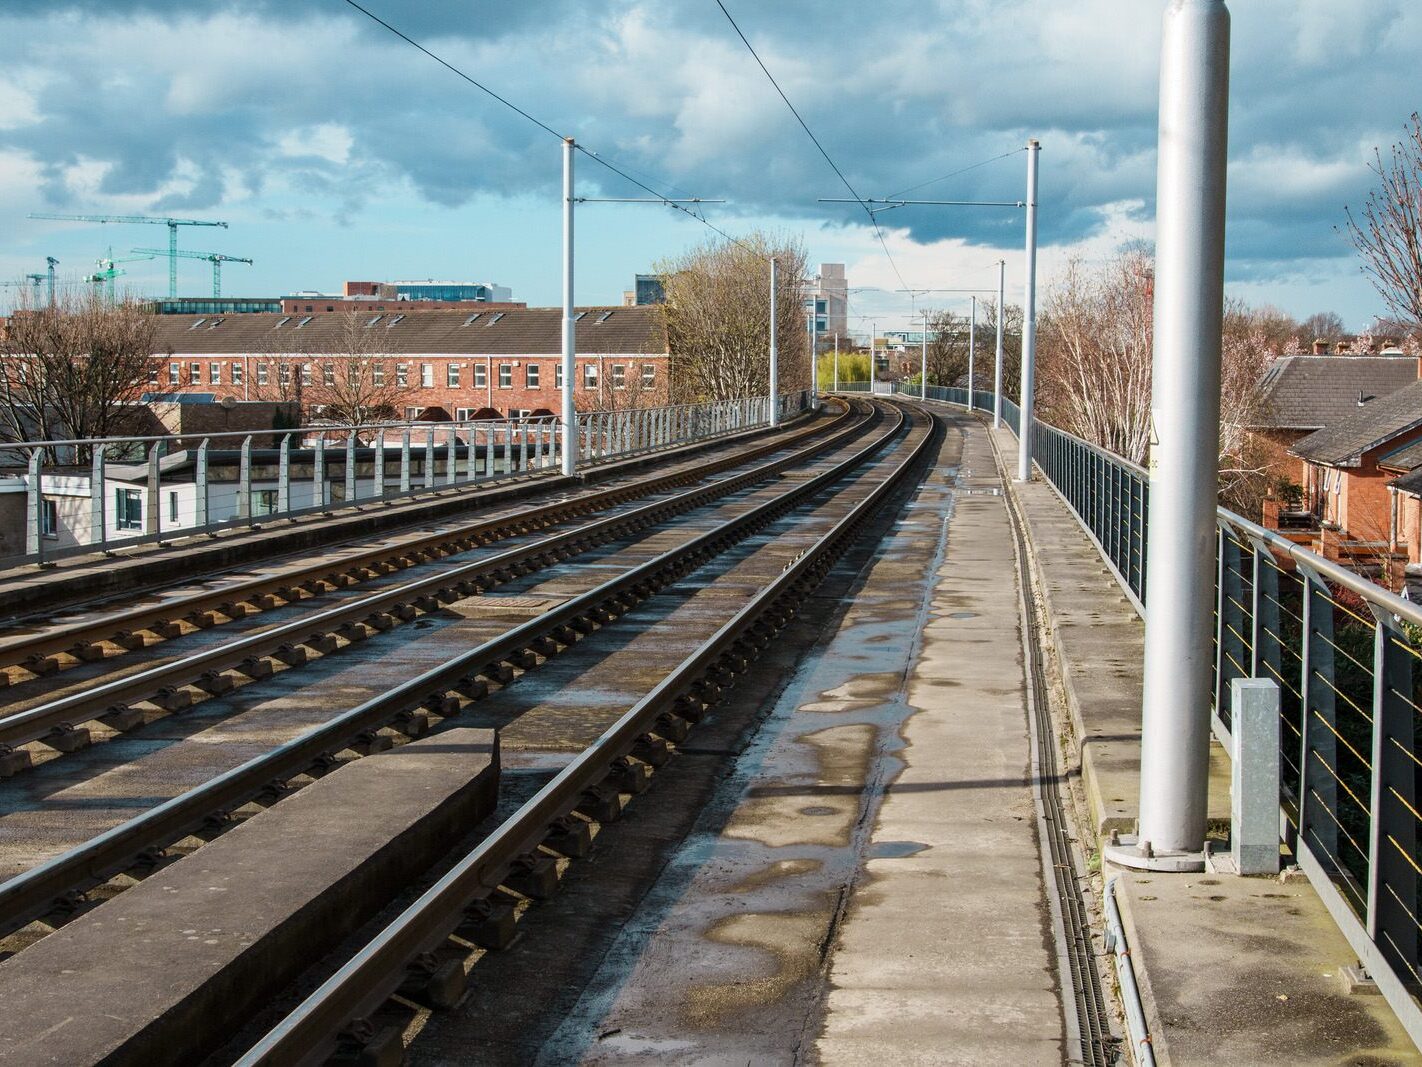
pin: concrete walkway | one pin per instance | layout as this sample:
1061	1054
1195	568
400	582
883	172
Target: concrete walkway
1235	972
866	885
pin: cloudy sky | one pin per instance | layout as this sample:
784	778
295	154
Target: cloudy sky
336	151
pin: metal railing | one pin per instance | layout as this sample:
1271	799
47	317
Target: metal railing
1347	657
103	494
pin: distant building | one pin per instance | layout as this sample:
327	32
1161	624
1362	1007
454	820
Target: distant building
435	365
429	289
215	305
310	303
646	289
829	301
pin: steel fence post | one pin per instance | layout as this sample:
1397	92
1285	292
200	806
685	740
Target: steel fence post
379	470
1392	845
200	496
34	507
244	479
1319	720
284	476
155	490
350	471
429	458
404	461
522	446
1229	641
318	471
98	498
451	457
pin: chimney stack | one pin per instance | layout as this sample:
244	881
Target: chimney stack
1320	346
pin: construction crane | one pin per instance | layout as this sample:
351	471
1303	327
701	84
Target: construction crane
37	279
172	225
108	270
215	258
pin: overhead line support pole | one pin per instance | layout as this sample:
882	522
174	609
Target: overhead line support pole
1029	324
570	415
972	346
774	353
1184	448
997	362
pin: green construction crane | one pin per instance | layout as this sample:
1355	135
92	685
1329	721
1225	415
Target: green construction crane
172	225
108	270
215	258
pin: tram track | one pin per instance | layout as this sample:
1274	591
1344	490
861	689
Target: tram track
132	699
38	648
53	889
471	906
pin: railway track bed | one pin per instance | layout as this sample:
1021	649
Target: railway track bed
675	627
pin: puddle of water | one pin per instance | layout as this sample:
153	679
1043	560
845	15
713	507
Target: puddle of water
895	850
963	615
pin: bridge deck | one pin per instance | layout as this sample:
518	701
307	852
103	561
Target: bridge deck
867	883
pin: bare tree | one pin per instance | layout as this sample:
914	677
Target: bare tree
1095	353
717	315
74	369
1387	231
1323	326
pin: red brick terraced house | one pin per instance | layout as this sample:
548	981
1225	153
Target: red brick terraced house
1351	484
431	365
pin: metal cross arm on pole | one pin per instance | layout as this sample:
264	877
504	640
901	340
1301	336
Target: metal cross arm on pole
642	200
888	205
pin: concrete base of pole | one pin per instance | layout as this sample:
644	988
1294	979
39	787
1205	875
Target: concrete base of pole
1126	851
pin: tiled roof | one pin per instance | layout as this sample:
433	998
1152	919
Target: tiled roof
1409	483
1406	458
1311	392
524	331
1374	424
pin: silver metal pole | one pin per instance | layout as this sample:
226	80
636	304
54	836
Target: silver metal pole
923	361
570	416
836	363
1184	449
972	347
997	364
873	329
1029	324
774	353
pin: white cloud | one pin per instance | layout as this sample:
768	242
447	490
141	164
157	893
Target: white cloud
328	140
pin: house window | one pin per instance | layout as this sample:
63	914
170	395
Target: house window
128	509
214	373
264	502
49	518
195	373
481	376
505	375
306	374
411	414
263	377
589	375
152	375
284	374
451	375
175	372
426	375
649	375
558	375
236	373
530	375
377	374
402	374
328	374
619	376
463	414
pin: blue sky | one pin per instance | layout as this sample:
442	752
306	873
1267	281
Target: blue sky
336	151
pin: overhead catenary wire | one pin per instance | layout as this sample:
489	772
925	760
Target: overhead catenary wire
953	173
879	233
594	156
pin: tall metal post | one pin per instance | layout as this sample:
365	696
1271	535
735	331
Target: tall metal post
1029	324
997	363
774	354
873	329
836	363
1184	450
972	346
172	260
570	415
923	361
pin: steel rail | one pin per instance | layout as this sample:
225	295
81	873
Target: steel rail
310	1032
39	890
79	637
203	669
